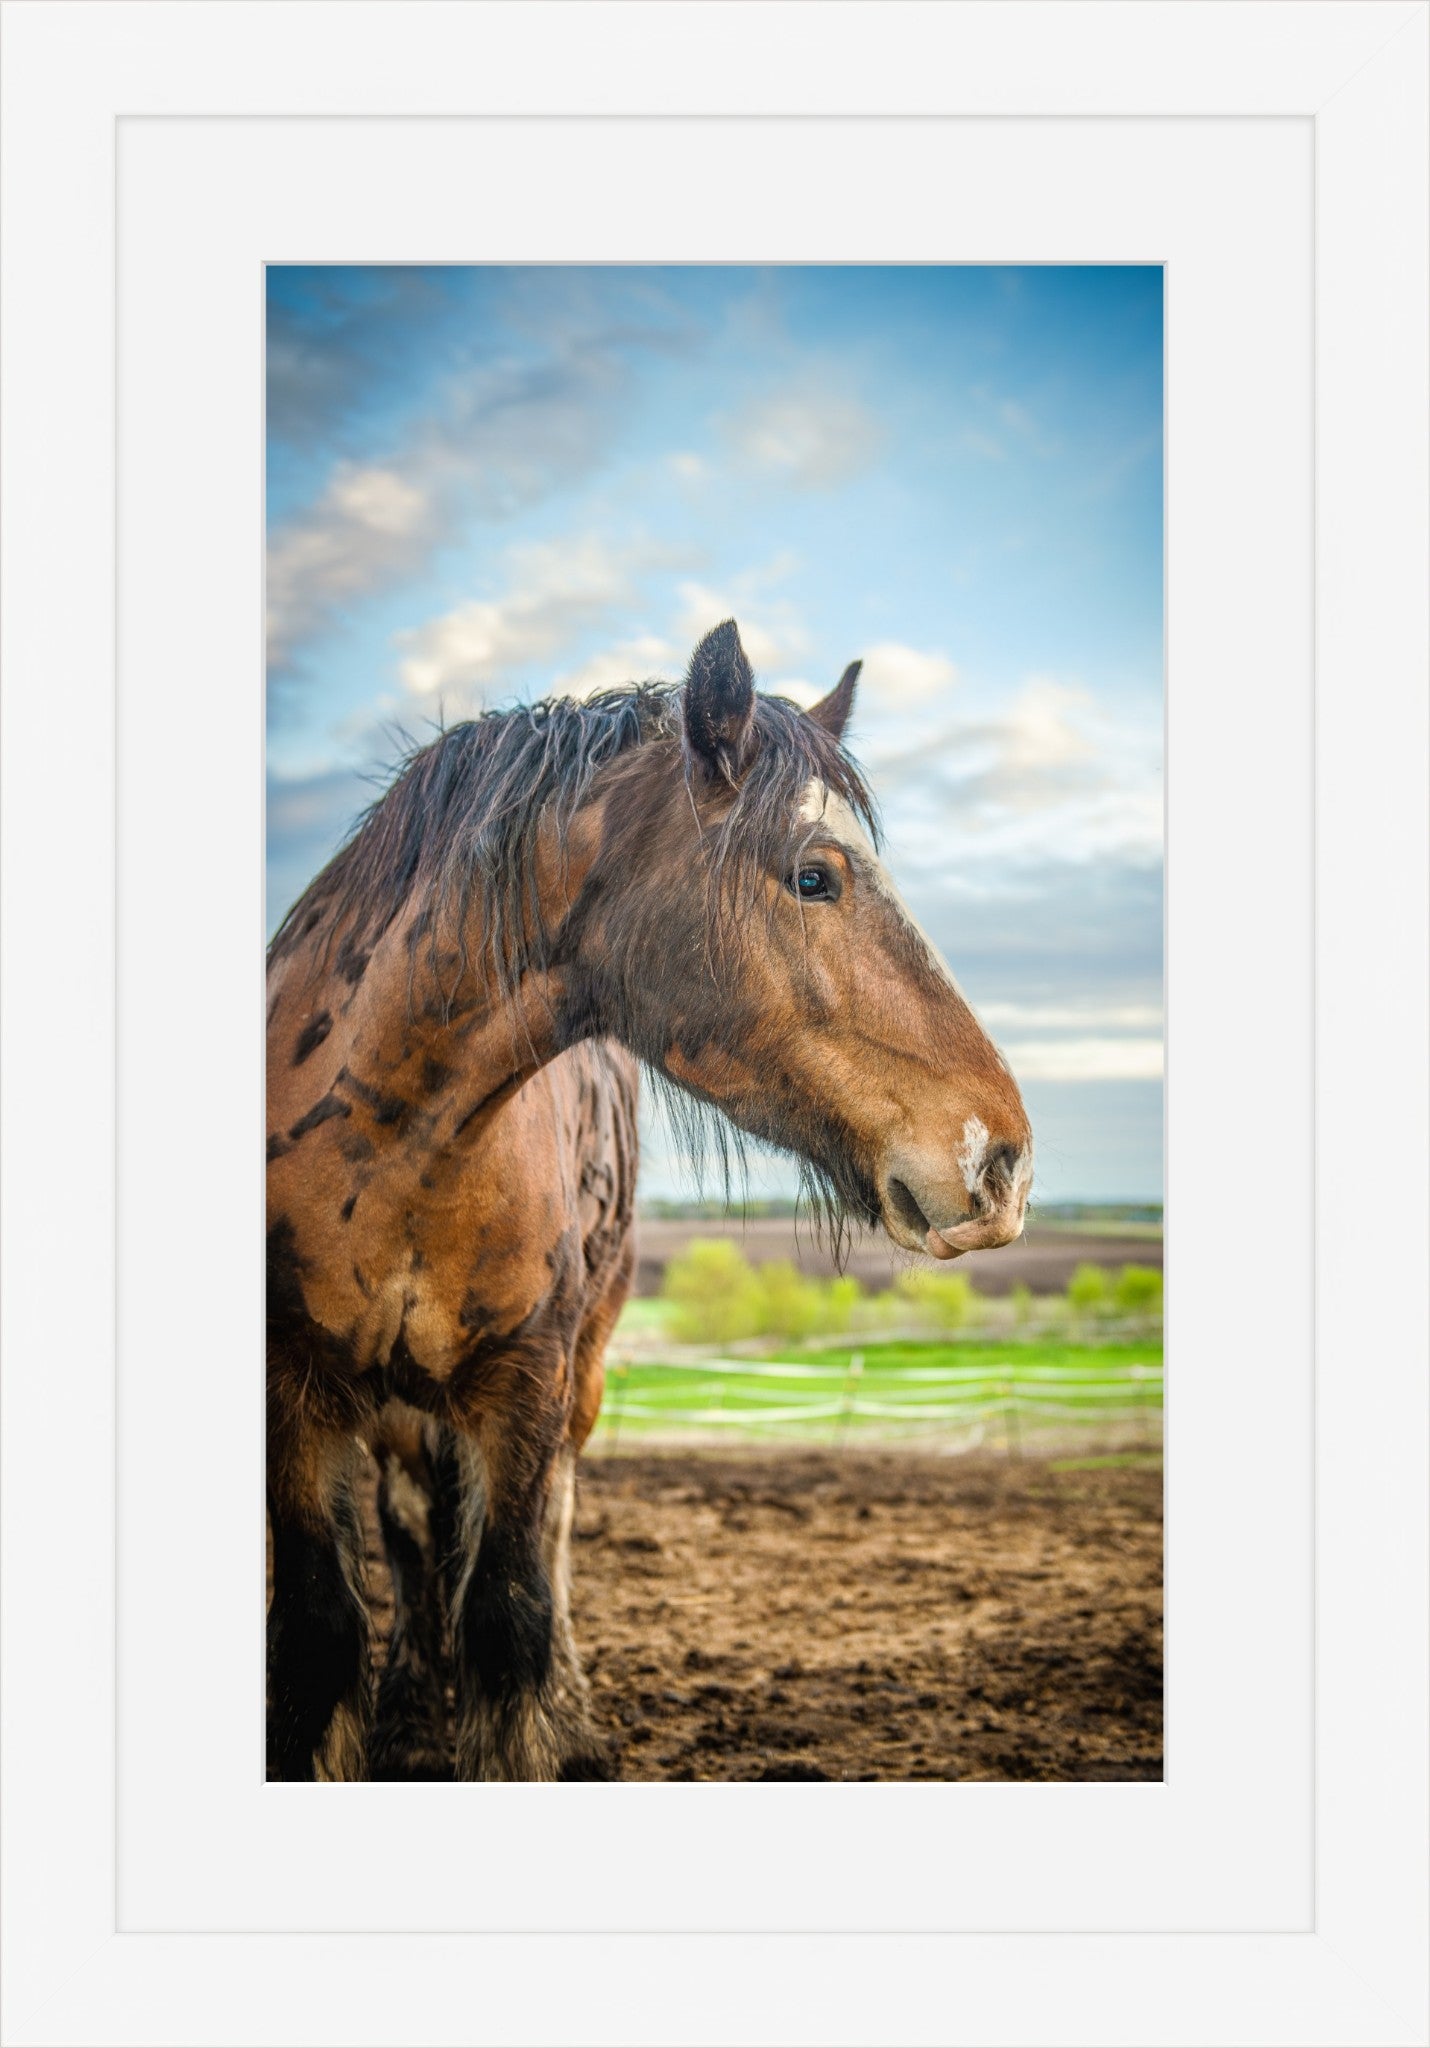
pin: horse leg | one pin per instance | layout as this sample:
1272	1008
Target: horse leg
319	1697
512	1720
573	1691
409	1738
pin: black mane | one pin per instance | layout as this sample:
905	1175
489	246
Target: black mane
456	833
457	826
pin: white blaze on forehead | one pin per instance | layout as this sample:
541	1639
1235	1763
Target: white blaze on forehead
972	1152
820	805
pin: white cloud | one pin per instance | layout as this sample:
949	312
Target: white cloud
691	469
559	592
896	676
1050	776
799	690
806	436
1085	1017
643	659
1041	747
554	591
370	526
1085	1059
501	432
773	641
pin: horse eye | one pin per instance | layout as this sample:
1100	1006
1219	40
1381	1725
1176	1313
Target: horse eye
812	885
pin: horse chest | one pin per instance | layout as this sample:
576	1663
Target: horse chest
429	1299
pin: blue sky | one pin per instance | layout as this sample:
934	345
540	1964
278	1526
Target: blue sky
490	483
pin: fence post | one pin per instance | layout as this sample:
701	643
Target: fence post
851	1383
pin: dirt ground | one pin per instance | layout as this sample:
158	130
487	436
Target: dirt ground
1043	1260
868	1614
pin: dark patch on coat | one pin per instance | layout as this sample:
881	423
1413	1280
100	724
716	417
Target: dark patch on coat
472	1315
435	1075
352	961
356	1148
312	1377
386	1109
488	1101
346	1212
277	1145
327	1106
312	1036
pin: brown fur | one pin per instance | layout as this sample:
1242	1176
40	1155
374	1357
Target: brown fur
457	1009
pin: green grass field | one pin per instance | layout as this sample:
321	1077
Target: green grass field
895	1389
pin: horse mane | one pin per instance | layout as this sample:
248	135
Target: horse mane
455	838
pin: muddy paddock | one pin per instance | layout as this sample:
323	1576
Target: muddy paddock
797	1614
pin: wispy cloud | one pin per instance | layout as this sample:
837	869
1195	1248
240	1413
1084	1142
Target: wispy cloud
371	527
1085	1059
771	631
558	593
811	436
896	677
1073	1016
496	436
1050	776
646	658
554	592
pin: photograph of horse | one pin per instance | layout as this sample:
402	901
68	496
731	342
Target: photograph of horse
677	876
705	1339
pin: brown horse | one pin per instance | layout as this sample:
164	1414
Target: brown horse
681	876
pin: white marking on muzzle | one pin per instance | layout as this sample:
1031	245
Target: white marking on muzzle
972	1152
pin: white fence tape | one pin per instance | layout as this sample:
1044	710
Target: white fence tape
917	1396
761	1368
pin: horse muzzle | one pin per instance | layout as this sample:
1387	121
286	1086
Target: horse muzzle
983	1210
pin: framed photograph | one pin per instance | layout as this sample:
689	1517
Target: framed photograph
196	201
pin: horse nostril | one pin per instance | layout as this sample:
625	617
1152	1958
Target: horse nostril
1003	1163
905	1206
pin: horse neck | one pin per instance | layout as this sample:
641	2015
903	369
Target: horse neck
415	1027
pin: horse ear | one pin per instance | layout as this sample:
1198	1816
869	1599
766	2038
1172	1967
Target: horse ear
832	712
720	702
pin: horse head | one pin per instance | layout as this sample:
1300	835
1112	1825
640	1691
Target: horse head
733	923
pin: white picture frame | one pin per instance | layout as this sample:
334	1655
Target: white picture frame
155	1891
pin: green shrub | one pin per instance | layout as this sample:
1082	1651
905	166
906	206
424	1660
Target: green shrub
716	1297
1088	1291
790	1305
841	1300
1020	1297
1139	1291
884	1310
946	1301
